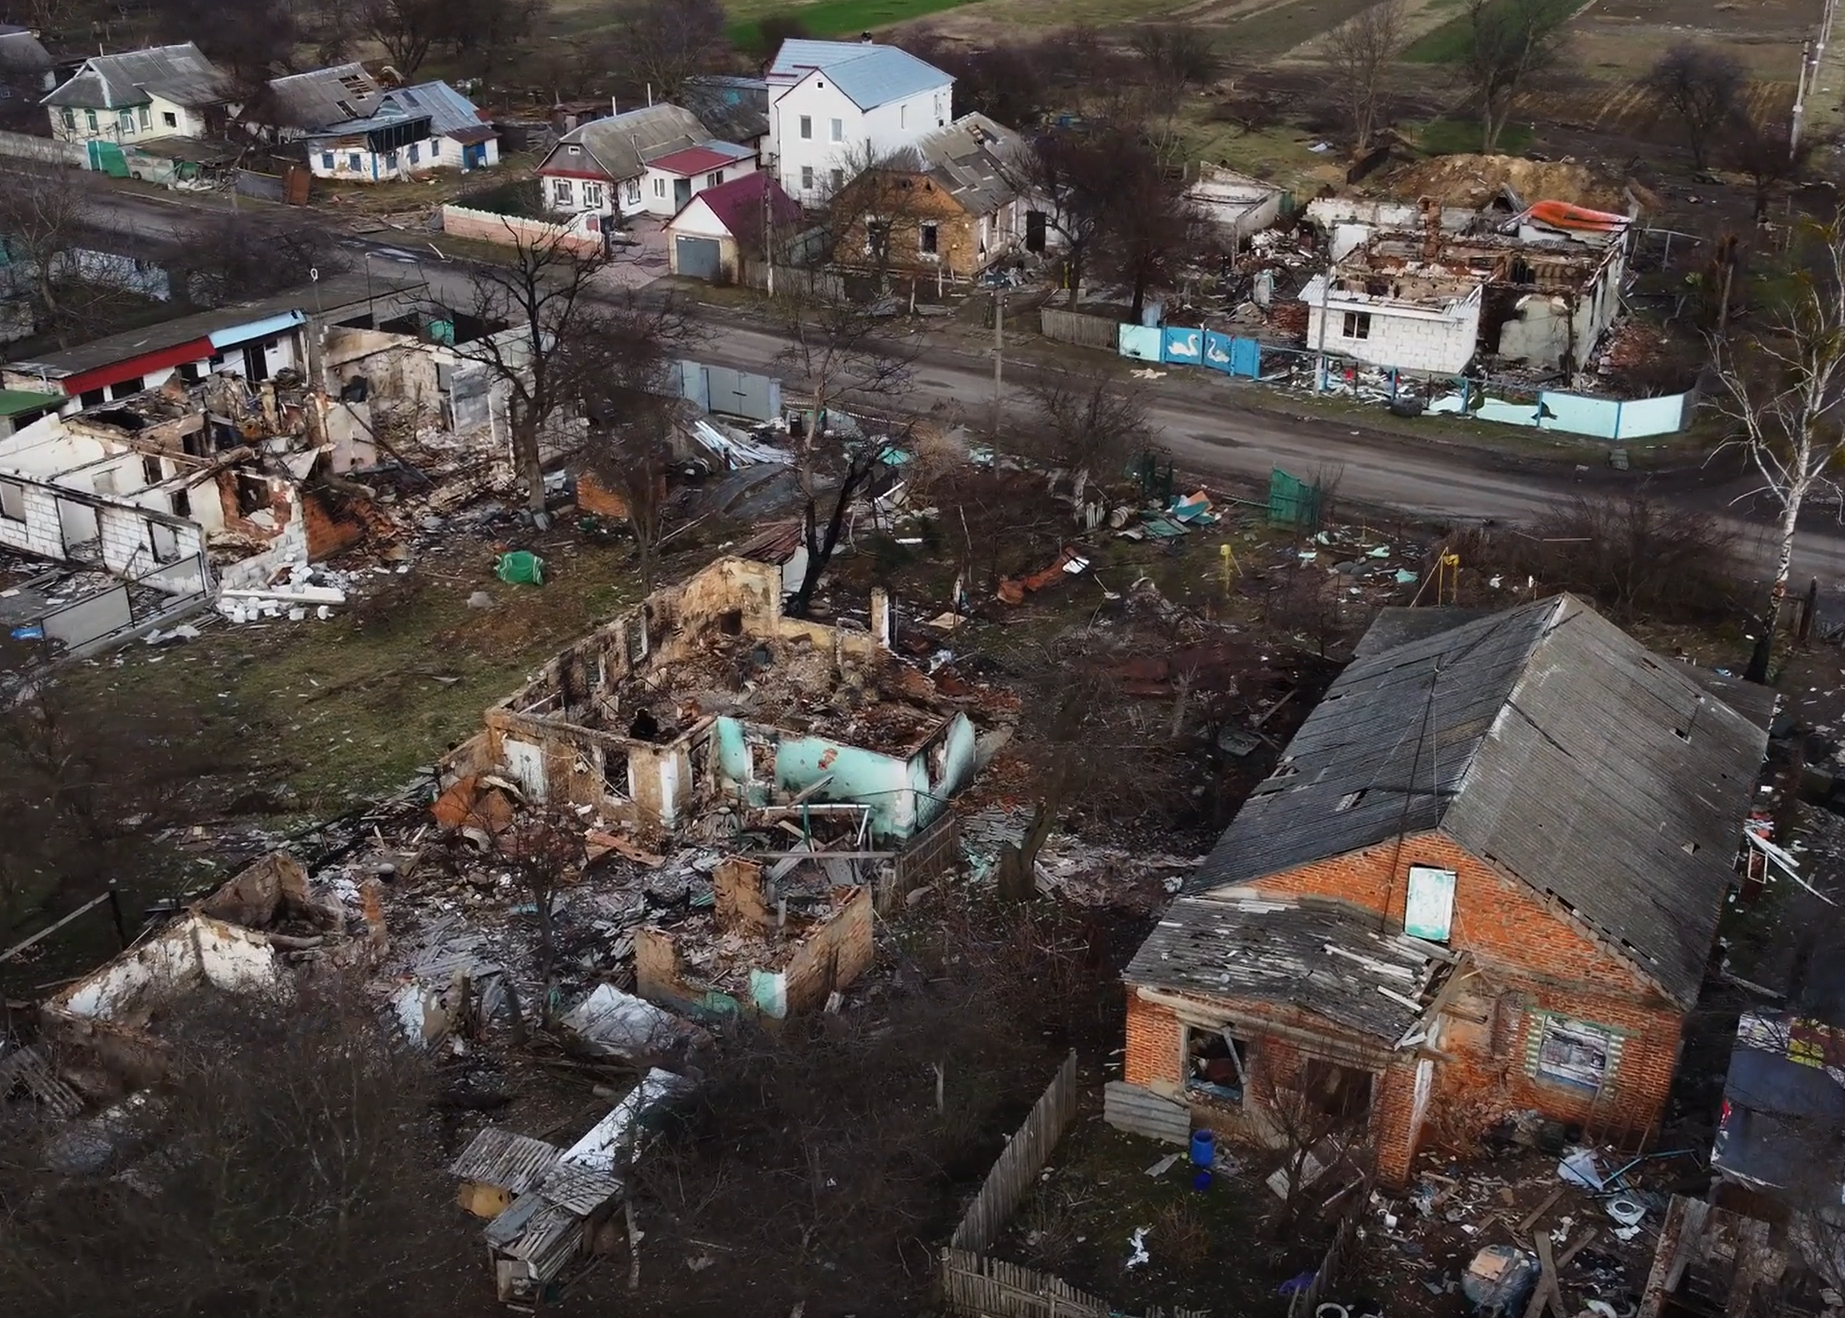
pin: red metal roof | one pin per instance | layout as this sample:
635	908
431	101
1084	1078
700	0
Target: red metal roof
692	160
738	203
197	350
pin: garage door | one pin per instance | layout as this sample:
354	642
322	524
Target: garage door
698	257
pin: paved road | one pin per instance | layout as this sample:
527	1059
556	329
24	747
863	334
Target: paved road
1208	427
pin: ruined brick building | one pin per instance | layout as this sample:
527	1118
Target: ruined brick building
1485	877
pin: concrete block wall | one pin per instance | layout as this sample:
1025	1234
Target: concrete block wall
127	544
1410	344
40	531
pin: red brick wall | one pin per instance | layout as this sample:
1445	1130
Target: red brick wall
1518	946
1152	1044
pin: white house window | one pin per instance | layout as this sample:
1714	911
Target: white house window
592	194
146	119
839	130
1572	1052
170	119
927	237
807	178
1357	325
126	120
13	501
353	163
326	160
90	118
70	118
807	126
903	116
839	179
435	149
415	152
714	178
659	187
634	191
561	191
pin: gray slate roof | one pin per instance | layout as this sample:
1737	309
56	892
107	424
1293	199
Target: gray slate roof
325	96
180	74
966	159
21	52
450	114
1281	951
870	75
621	146
1543	740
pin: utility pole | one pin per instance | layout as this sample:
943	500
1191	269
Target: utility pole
999	351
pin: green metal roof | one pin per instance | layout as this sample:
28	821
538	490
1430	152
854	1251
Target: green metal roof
15	401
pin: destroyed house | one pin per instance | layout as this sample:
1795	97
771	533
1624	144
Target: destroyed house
1485	877
707	697
1539	290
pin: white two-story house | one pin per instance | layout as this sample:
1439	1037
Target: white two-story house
837	106
139	96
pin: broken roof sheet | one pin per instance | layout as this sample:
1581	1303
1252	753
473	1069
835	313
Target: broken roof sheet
1784	1098
1543	740
1328	961
967	157
736	109
500	1157
321	97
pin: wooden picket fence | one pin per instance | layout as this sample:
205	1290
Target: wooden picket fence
1074	327
984	1287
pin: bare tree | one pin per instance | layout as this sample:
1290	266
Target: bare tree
664	42
1769	154
1007	82
1090	424
1360	53
571	343
842	362
1702	86
1512	41
49	283
1317	1113
253	39
1151	231
299	1180
1081	177
248	254
544	849
1783	388
408	29
489	31
629	451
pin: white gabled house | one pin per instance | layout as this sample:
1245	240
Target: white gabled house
646	161
835	106
140	96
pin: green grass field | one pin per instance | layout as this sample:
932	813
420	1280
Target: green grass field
1458	137
831	18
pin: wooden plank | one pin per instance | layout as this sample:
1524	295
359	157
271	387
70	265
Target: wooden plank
1531	1219
1547	1285
1571	1250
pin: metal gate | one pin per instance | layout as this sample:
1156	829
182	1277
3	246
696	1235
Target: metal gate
696	258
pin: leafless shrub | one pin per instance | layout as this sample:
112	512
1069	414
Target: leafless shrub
299	1179
1635	556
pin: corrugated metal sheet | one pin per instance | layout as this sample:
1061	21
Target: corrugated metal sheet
1143	1112
579	1189
325	96
1326	961
500	1157
1543	739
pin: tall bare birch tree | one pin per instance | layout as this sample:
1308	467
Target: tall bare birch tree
1783	385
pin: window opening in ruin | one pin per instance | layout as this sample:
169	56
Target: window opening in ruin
1216	1063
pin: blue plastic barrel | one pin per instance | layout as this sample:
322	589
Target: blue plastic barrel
1204	1148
